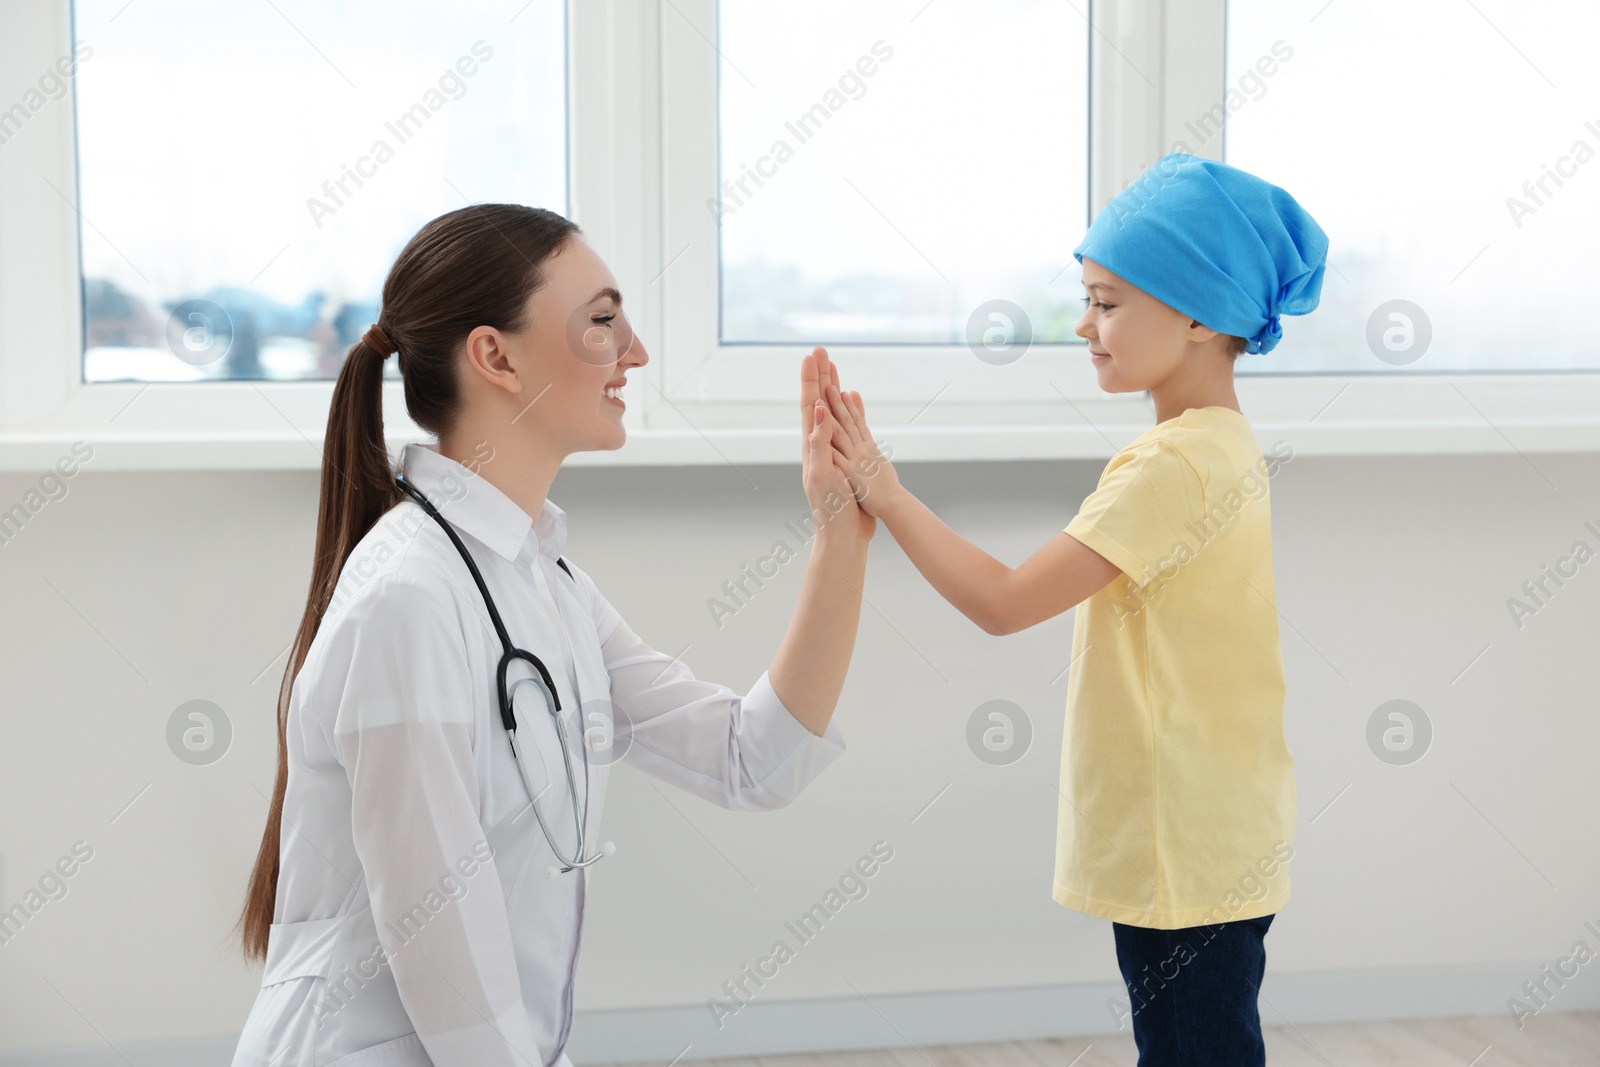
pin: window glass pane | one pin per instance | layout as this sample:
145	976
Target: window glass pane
248	172
888	169
1449	151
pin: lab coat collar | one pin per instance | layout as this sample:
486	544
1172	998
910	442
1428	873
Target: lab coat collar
478	507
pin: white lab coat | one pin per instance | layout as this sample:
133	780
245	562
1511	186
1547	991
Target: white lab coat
415	926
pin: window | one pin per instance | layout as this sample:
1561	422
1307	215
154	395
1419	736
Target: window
188	251
902	181
1450	153
888	173
247	173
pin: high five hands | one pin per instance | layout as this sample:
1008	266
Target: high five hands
999	598
870	476
831	492
872	479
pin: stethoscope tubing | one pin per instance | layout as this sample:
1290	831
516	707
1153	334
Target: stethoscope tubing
508	716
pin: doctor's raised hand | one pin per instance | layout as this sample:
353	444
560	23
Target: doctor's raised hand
809	669
454	667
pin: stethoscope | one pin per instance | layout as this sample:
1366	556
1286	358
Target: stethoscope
508	716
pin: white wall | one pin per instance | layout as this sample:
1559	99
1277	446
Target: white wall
138	592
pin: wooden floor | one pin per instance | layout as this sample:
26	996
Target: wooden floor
1552	1039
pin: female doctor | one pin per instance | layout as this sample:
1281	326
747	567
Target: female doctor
413	905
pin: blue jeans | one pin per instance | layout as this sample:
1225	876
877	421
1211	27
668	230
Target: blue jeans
1192	992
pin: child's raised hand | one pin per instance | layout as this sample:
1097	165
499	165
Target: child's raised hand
876	484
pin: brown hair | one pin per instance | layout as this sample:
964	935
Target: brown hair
476	266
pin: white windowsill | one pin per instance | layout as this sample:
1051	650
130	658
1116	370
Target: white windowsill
1326	436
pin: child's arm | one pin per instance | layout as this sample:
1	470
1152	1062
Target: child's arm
1000	599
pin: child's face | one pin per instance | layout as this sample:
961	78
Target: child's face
1135	340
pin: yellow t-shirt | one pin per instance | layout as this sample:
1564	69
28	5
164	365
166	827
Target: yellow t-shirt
1177	789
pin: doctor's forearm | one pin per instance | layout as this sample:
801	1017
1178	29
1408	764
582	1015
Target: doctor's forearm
808	671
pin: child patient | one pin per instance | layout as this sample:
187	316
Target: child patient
1177	790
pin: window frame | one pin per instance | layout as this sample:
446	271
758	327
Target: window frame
641	166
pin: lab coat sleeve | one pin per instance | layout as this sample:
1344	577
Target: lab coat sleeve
744	752
403	732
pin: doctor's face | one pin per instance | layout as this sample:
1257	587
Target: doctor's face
1135	340
578	350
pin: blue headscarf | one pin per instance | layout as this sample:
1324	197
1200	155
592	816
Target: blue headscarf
1220	245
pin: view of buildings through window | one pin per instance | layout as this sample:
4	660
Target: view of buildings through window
248	237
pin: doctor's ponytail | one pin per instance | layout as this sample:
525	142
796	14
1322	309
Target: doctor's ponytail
476	266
